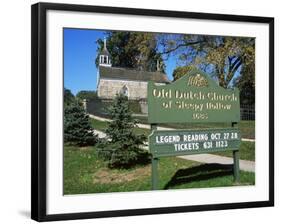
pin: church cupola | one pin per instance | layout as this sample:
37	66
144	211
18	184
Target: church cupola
105	57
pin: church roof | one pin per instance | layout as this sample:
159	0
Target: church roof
131	74
105	52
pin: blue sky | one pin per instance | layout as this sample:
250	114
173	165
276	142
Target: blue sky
80	51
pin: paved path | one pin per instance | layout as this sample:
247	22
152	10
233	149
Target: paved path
147	126
100	133
210	158
206	158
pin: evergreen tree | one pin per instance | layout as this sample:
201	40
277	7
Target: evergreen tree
68	97
77	126
87	94
122	148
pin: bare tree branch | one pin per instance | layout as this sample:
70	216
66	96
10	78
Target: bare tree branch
181	45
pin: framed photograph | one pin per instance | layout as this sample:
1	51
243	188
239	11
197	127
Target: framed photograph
139	111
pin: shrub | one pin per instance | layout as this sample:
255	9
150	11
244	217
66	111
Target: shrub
77	126
68	97
122	148
88	95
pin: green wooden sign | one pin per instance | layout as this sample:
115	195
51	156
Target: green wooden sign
193	98
186	142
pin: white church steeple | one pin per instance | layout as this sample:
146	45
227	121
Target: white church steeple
105	57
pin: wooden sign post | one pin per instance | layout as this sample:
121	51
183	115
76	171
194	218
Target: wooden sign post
194	98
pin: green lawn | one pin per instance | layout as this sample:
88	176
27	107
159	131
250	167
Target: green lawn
247	128
85	173
99	125
247	149
102	125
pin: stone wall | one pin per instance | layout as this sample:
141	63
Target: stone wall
107	89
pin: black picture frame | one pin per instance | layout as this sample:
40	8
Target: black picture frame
39	114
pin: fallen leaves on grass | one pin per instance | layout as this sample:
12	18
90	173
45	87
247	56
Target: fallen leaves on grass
107	176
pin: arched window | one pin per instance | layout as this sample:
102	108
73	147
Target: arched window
125	91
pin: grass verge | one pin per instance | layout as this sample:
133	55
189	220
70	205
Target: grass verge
247	149
85	173
247	128
102	125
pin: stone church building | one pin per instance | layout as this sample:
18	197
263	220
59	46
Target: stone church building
132	83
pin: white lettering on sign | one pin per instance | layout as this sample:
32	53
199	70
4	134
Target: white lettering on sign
215	136
221	144
187	142
167	139
186	146
195	137
208	145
